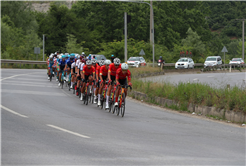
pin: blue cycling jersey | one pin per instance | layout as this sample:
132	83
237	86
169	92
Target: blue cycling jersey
62	64
69	62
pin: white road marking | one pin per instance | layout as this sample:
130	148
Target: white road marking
32	92
13	112
195	79
22	84
14	76
67	131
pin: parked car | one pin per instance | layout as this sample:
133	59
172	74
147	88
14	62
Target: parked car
136	61
212	61
98	57
184	63
236	61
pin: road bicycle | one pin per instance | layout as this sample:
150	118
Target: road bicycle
122	101
112	98
103	95
88	94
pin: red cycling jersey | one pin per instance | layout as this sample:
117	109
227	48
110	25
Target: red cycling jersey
113	69
88	71
120	75
98	69
103	71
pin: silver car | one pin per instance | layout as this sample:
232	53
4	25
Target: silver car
136	62
184	63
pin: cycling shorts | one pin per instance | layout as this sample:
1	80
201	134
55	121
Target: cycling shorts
87	77
123	81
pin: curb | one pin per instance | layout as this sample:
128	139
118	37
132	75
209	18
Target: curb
232	116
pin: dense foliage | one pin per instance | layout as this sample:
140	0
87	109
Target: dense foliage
97	27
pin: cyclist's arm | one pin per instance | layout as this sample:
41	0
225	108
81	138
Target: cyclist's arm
101	77
93	76
109	77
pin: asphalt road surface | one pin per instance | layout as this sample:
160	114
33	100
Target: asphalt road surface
217	80
45	125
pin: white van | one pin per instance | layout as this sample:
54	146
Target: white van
212	61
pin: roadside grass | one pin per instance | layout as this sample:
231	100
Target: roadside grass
196	93
144	70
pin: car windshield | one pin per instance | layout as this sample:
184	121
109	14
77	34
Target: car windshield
183	60
236	59
100	57
134	59
211	59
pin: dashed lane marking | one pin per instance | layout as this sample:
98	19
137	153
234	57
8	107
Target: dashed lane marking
13	112
67	131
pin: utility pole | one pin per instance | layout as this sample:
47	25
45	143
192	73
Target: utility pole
242	37
43	47
150	24
125	20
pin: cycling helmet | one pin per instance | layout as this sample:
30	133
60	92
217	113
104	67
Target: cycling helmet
60	57
93	61
112	55
88	62
160	57
124	66
101	63
72	55
107	62
64	56
89	54
83	53
117	61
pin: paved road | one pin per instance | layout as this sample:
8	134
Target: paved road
45	125
214	79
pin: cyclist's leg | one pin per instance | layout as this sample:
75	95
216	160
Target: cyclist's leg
68	73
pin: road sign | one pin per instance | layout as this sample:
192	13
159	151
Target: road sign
36	50
142	52
224	49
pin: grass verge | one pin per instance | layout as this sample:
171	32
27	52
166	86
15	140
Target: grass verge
196	93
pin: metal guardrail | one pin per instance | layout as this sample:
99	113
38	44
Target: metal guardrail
172	64
7	61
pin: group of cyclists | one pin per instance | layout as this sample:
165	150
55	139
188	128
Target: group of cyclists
80	71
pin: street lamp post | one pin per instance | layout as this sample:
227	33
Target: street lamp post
152	30
242	37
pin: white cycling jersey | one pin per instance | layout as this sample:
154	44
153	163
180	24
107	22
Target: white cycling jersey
81	66
77	62
73	65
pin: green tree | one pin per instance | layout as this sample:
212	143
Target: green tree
193	43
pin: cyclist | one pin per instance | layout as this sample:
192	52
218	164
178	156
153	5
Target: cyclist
79	74
111	77
103	78
97	67
57	67
62	65
73	73
121	75
50	65
69	62
88	73
101	63
112	58
89	57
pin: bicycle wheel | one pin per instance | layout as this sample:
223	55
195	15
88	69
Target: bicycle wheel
73	88
84	97
123	104
87	96
92	94
62	84
50	77
102	101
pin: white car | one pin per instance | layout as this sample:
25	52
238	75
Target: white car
236	61
184	63
136	61
212	61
